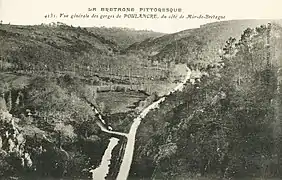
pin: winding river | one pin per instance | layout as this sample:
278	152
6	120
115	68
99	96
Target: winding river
102	171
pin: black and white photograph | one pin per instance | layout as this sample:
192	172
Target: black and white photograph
151	90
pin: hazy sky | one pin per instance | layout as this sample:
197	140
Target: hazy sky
33	11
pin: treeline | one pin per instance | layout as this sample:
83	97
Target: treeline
227	125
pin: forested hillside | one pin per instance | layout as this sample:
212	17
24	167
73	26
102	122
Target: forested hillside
154	44
48	133
227	125
198	47
51	48
124	37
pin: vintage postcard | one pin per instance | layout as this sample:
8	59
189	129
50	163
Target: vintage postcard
140	90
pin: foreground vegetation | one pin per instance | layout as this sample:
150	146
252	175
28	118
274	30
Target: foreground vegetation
227	125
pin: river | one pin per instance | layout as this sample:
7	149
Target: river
103	169
129	149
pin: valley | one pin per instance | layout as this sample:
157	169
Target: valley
115	103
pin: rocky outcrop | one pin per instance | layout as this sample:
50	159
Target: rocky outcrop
12	141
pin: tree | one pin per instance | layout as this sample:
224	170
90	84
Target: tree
65	134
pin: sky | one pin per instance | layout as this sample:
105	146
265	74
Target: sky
29	12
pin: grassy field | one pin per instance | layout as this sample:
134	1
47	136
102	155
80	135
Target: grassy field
116	102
